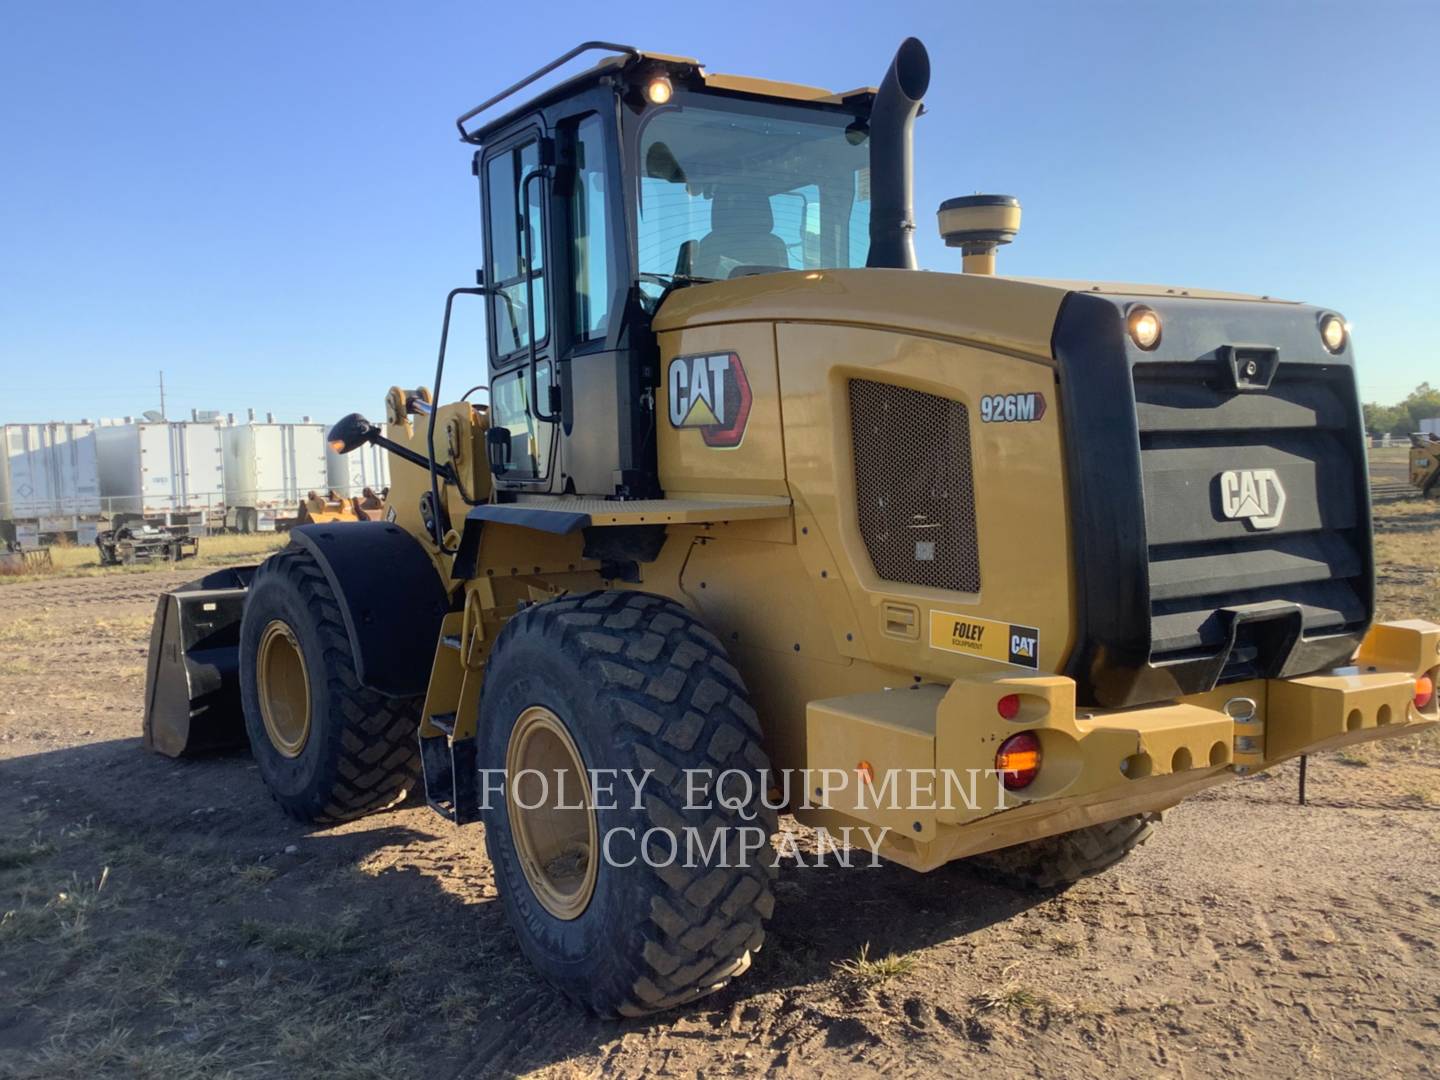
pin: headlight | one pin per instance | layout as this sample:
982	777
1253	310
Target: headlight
1332	332
1144	327
659	91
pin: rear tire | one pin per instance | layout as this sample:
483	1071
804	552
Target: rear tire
636	683
355	751
1057	861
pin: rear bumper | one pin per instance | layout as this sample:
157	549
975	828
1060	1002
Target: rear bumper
920	763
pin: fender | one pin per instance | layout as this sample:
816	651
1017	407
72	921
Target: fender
391	600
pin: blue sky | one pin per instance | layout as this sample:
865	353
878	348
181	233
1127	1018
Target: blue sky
268	201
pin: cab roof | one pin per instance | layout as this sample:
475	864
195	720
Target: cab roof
630	63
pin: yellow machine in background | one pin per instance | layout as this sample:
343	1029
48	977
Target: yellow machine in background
1424	462
761	517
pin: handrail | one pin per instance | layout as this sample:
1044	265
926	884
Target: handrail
606	46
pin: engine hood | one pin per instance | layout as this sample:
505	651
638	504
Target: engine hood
1012	315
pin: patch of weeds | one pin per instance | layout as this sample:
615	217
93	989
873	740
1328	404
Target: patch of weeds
118	1052
136	966
1017	998
20	853
308	942
64	917
256	875
461	1005
1358	756
337	1043
861	969
1065	945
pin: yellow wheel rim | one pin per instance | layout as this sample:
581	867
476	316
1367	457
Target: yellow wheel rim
552	820
284	687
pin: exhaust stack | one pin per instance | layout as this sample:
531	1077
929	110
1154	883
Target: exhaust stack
892	157
977	225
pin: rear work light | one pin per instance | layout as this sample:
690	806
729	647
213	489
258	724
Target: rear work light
1018	761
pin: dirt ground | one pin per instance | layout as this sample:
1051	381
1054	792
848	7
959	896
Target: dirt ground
162	918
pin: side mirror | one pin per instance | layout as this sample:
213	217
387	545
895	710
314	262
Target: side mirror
352	432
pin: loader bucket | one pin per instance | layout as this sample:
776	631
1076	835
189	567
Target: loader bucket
192	680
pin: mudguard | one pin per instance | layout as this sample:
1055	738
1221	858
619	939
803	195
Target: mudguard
391	598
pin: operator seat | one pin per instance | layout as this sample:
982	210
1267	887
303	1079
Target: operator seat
740	235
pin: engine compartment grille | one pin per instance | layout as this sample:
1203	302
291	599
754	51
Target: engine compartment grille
914	485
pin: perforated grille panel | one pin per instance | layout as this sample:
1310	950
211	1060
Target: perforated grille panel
914	489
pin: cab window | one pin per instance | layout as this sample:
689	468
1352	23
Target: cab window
510	264
590	239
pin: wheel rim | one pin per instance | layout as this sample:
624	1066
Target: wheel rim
552	821
284	687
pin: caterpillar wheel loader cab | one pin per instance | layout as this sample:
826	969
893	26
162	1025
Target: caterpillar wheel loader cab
759	516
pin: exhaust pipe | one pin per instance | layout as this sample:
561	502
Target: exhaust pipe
892	157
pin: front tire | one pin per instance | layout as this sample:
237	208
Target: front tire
328	749
626	681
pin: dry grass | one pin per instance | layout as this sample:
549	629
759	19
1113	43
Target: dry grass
124	993
1016	998
306	941
866	972
1407	558
217	550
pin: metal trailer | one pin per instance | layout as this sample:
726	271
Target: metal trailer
49	486
269	469
350	474
167	474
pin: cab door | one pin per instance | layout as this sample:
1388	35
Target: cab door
524	400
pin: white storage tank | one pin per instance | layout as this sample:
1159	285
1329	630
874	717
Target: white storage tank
269	468
350	474
169	472
49	483
1431	426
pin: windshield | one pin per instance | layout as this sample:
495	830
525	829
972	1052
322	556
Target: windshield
730	189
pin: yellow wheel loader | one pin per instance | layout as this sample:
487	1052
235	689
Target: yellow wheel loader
1424	461
760	517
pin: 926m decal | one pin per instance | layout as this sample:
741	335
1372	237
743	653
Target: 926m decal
1012	408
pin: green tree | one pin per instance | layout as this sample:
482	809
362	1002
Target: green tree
1387	419
1422	404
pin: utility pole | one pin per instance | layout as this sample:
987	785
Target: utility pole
162	395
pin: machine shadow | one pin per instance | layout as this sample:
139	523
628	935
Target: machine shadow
421	895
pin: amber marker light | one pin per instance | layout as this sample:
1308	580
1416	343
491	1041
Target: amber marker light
1144	326
1018	760
1424	691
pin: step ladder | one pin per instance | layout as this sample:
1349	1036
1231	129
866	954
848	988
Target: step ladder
448	754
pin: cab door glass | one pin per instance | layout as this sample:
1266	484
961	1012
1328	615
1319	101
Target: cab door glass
529	444
509	268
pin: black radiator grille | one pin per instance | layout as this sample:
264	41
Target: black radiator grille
1192	431
914	488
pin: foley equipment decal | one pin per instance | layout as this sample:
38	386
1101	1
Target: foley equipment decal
710	393
1004	643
